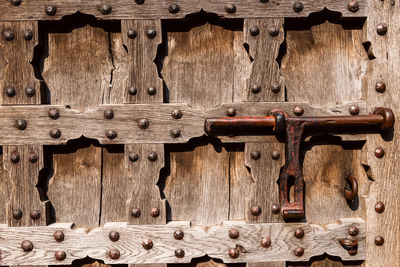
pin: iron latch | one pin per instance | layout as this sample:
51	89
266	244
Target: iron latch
295	129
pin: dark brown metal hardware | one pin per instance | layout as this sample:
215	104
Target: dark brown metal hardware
295	130
351	245
351	193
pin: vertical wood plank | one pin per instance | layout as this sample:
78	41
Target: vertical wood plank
385	51
141	39
264	38
16	55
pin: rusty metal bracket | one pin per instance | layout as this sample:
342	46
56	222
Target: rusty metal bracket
295	130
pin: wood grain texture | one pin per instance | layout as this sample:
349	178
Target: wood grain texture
151	9
385	186
213	241
5	190
78	68
145	192
15	63
73	123
24	176
142	50
265	172
264	49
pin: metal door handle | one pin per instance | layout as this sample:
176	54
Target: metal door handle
295	129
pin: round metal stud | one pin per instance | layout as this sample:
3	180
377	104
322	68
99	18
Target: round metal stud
254	31
299	233
143	123
14	158
10	91
29	91
58	236
105	9
179	253
255	89
114	254
8	35
152	156
354	110
133	156
28	34
266	242
151	90
132	34
379	152
155	212
379	240
175	133
275	209
298	7
132	91
231	112
135	213
33	157
275	155
27	245
233	253
53	113
379	207
255	155
151	33
380	87
233	234
381	29
21	124
354	231
353	6
230	8
51	10
256	210
276	88
111	134
273	31
298	111
55	133
139	2
179	234
35	214
299	251
174	8
17	214
16	2
176	114
113	236
147	244
60	255
108	114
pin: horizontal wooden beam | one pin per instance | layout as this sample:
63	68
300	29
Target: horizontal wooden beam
123	128
160	9
196	242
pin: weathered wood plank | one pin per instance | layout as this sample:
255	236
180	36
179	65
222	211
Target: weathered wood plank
213	241
92	124
16	54
144	205
155	9
142	50
264	38
23	164
384	171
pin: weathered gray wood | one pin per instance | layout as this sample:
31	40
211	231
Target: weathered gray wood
213	241
384	171
15	58
92	124
264	49
155	9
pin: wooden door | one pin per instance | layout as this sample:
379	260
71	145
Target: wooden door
107	160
